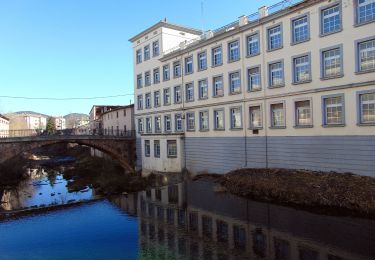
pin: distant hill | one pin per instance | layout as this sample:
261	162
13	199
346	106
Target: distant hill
73	119
31	113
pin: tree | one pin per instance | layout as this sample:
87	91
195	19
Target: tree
51	127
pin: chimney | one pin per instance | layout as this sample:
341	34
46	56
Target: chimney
263	12
242	20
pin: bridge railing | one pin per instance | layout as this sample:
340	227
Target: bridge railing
66	132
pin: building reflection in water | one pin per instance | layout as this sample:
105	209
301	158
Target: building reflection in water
192	221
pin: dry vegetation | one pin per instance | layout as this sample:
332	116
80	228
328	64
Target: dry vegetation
346	192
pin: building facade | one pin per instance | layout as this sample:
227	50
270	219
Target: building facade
4	126
119	121
291	86
60	123
95	117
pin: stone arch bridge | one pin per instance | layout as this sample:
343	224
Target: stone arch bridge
120	148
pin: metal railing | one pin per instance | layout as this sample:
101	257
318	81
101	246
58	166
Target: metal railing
66	132
254	17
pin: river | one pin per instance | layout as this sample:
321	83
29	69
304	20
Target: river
187	220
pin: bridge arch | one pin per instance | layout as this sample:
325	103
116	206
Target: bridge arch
120	149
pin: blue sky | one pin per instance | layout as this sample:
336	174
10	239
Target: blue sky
80	48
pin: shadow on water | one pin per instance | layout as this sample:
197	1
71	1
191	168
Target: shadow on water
192	221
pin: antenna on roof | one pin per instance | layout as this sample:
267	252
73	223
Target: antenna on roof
202	14
165	19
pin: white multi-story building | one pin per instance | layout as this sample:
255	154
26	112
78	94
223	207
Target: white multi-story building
4	126
60	123
25	121
119	121
290	86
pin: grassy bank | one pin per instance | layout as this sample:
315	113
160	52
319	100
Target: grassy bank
329	192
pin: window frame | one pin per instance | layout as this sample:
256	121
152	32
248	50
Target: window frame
188	84
169	72
357	56
272	126
214	119
356	16
231	119
165	123
198	60
155	124
153	48
213	85
201	129
140	122
140	85
248	78
156	151
213	57
229	59
269	74
175	96
188	126
292	26
175	76
164	101
147	84
248	55
251	127
168	149
269	49
230	92
140	102
144	52
199	89
147	151
148	130
322	9
186	60
294	81
136	56
156	81
295	123
148	97
359	107
182	123
324	116
322	68
159	99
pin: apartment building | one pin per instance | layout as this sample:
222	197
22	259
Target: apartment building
96	124
60	123
4	126
291	86
119	121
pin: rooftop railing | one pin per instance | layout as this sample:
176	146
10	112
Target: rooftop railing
254	17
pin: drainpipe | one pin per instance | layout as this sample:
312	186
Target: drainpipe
183	111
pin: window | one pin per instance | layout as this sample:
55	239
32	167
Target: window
365	11
139	81
189	65
189	88
148	125
157	98
157	124
217	58
156	75
282	249
255	117
366	55
140	125
167	123
190	121
234	83
300	29
156	148
222	231
276	74
331	63
275	40
146	51
172	148
148	100
367	108
218	87
147	78
147	148
167	96
252	44
155	49
176	69
219	119
139	102
233	51
239	237
203	89
206	226
203	121
177	95
303	113
235	118
333	110
178	122
166	74
139	56
277	115
254	83
202	61
330	20
301	69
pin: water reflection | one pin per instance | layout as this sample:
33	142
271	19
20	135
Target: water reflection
192	221
42	188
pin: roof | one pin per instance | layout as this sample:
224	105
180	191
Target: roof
4	117
119	108
164	23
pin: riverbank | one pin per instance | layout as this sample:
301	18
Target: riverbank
326	192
